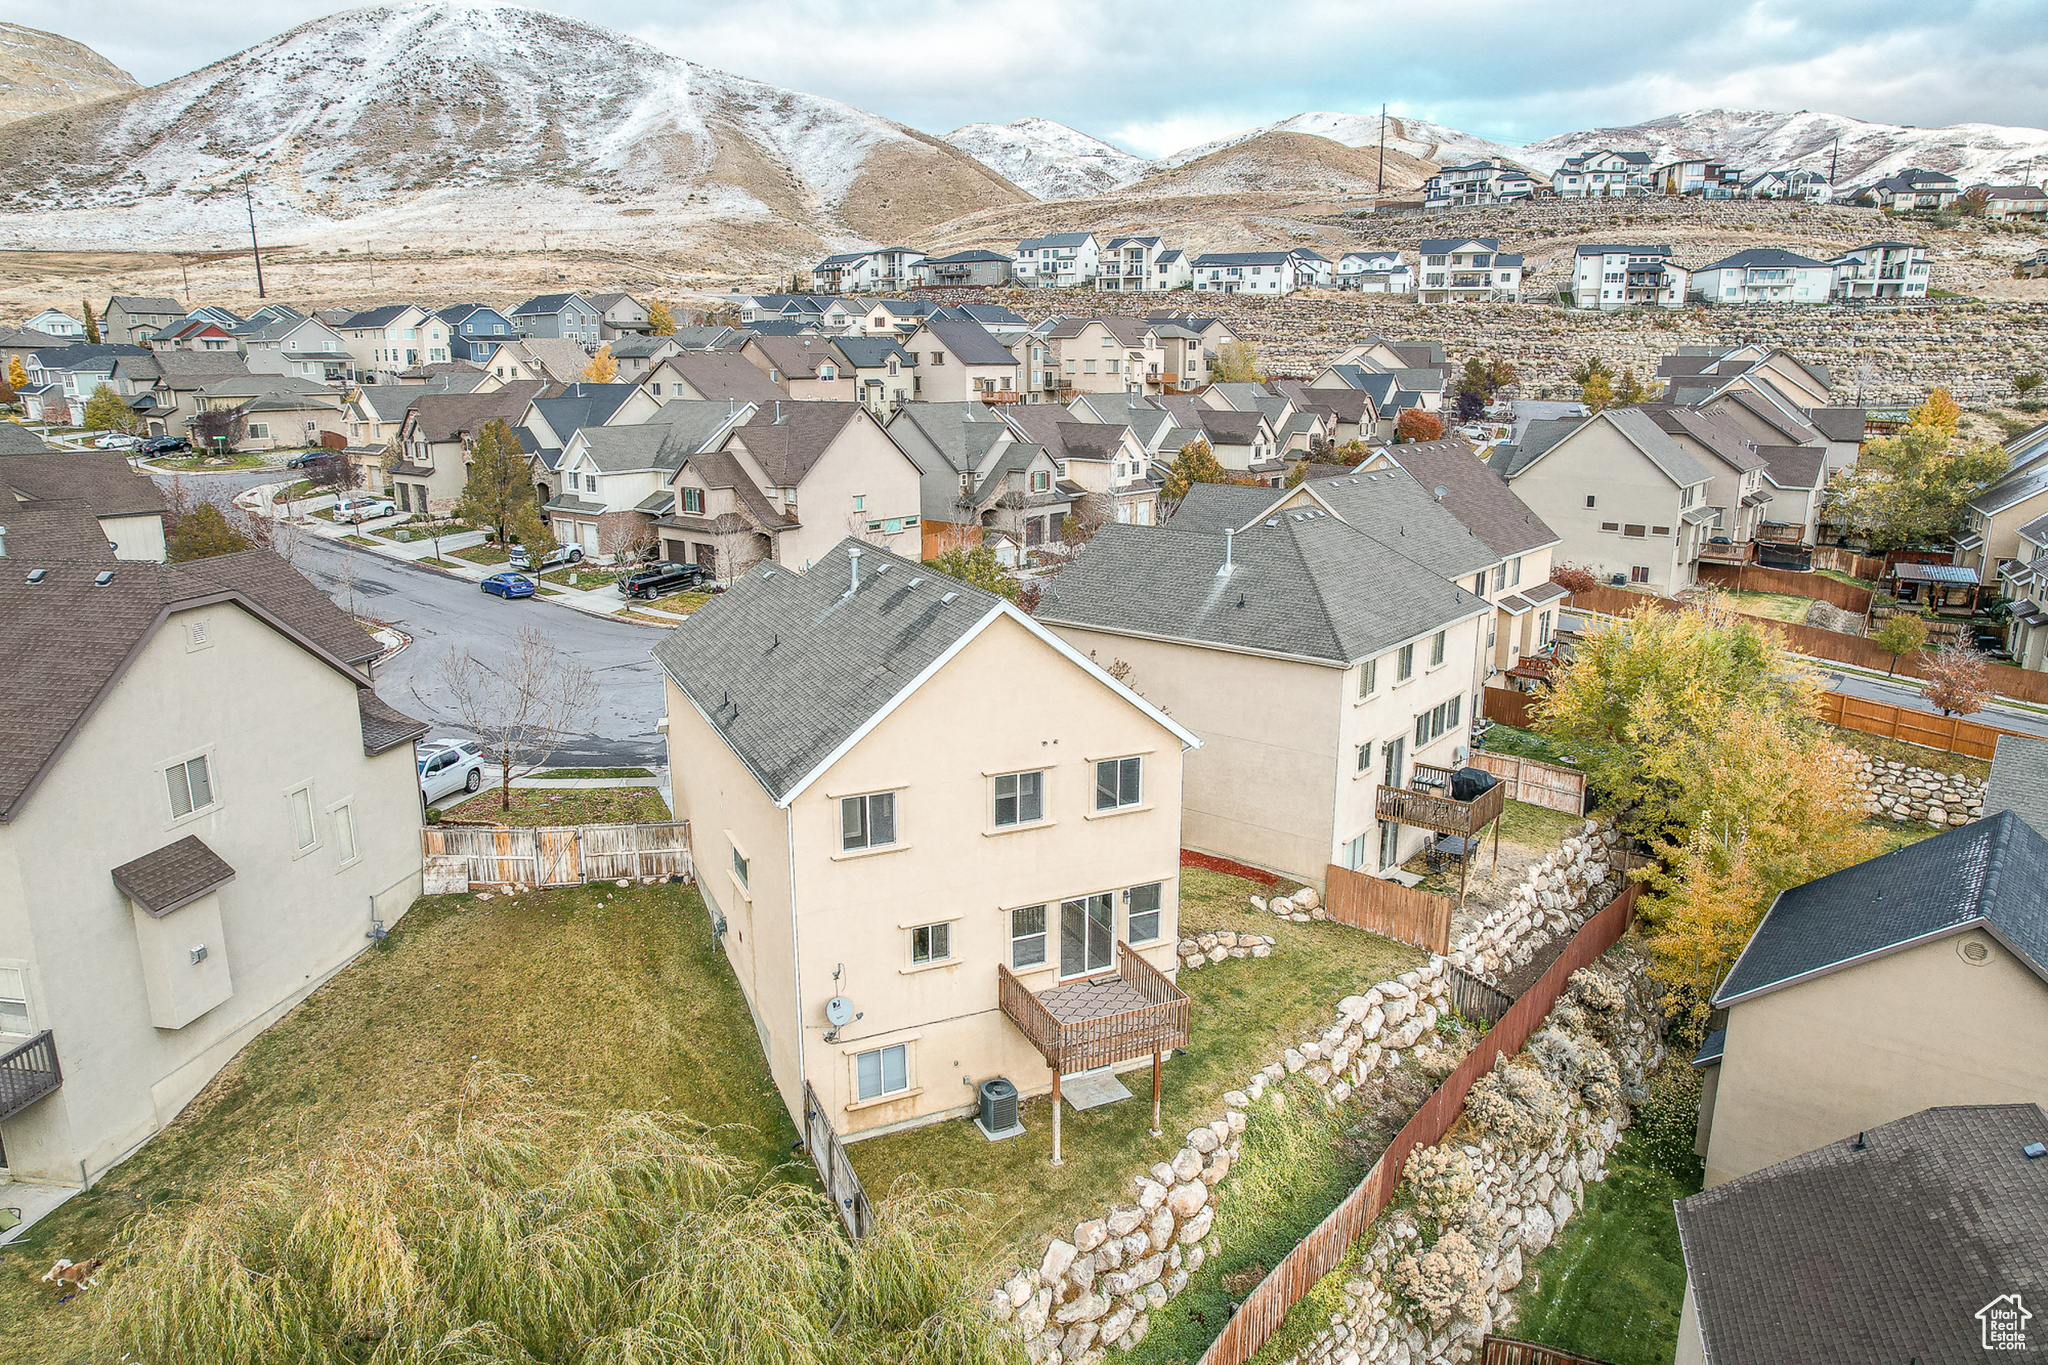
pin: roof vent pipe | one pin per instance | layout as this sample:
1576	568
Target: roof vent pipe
778	412
1229	534
3	542
853	565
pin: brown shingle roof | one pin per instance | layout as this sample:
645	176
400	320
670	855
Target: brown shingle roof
787	438
1475	495
445	416
103	479
720	374
176	874
384	727
795	357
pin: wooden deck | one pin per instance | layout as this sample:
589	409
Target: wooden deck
1428	805
28	1072
1103	1020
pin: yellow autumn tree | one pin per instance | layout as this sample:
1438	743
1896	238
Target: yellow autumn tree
602	369
17	374
661	319
1940	411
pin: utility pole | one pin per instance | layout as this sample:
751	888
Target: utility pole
1834	164
1382	187
185	275
249	202
371	257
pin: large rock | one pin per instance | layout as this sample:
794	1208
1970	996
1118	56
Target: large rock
1187	1200
1538	1227
1090	1235
1204	1140
1117	1323
1058	1257
1162	1229
1152	1193
1219	1166
1122	1222
1018	1290
1087	1308
1187	1164
1031	1318
1510	1269
1197	1227
1148	1270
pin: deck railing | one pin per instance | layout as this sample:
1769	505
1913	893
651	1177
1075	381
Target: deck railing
1083	1044
28	1072
1434	809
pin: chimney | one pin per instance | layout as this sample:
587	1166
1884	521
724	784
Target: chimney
853	563
1229	535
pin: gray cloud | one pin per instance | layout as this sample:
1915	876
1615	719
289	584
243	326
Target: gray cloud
1187	73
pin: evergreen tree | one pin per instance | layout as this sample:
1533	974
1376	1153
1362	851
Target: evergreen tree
92	324
1196	463
201	534
105	411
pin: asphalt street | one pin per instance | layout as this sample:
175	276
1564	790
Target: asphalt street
1907	695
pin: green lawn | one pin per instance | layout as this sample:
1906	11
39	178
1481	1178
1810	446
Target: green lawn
563	806
594	772
1840	577
586	579
1246	1012
1778	606
1612	1285
1899	751
1507	739
680	603
202	464
613	998
486	553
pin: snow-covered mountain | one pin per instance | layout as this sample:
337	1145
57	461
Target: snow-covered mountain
1419	138
1759	140
481	121
41	71
1048	159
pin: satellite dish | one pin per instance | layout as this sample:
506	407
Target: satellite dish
839	1011
1441	492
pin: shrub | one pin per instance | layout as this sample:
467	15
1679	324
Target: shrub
1441	1179
1667	1121
1516	1104
1447	1281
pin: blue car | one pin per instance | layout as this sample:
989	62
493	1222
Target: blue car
509	585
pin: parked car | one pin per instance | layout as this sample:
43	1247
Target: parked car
364	508
307	459
659	580
164	445
553	559
117	440
508	585
447	765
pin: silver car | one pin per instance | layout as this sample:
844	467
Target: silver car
448	766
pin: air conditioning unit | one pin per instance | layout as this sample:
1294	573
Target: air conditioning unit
998	1117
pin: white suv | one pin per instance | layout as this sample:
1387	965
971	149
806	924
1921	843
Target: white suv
360	509
448	765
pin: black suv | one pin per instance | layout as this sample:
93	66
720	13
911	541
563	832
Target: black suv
659	580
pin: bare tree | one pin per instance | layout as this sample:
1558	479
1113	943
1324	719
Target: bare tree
521	705
216	429
736	546
1958	680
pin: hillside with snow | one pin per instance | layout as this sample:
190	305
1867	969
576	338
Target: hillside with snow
492	123
1048	159
1417	138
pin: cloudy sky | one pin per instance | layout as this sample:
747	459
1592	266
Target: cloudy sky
1156	78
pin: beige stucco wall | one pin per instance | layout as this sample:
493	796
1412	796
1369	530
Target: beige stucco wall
850	933
1821	1061
287	921
863	462
1691	1350
1628	489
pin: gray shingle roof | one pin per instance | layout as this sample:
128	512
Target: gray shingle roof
970	342
721	374
1880	1247
1991	873
384	727
786	439
1305	586
445	416
1474	495
2019	780
176	874
1721	437
103	479
788	666
1793	466
1837	424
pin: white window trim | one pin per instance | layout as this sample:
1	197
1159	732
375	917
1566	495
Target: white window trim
164	766
347	803
911	1087
28	994
1018	826
312	818
732	847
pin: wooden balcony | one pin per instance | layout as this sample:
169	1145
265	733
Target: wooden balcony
29	1072
1734	552
1535	667
997	397
1428	804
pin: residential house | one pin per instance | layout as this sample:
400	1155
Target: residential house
2018	498
557	414
1794	183
476	331
1797	478
957	361
1348	414
1917	1239
1130	265
436	434
1911	189
711	374
895	268
2023	581
980	473
277	411
1150	426
1274	273
892	317
847	272
612	482
559	317
163	387
981	269
789	484
132	319
620	316
1699	177
1699	374
245	843
1603	173
636	355
20	344
373	415
1173	269
2019	780
55	322
298	348
1468	270
1881	270
1624	499
711	337
61	378
1489	181
397	336
127	505
1242	442
1999	201
556	358
1817	1047
1764	275
194	334
1627	277
1375	272
1093	355
1212	333
811	841
807	367
1360	652
1738	492
1104	468
1297	432
1065	260
884	374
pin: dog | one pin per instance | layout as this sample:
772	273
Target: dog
79	1276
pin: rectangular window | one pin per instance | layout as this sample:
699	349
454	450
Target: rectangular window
304	834
1515	570
1500	578
931	943
259	430
867	821
1118	783
1610	526
1087	934
1390	844
1632	529
1041	481
1422	729
1660	530
1020	799
860	502
1404	667
1141	918
885	1071
739	867
1365	756
1354	854
191	786
1027	937
1639	573
693	500
1590	502
1457	704
1368	677
345	833
1436	648
13	1000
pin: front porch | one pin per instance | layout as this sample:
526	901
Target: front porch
1099	1021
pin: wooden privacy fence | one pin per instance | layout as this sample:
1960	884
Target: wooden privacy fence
1477	1000
1389	909
562	855
1507	1351
1950	734
1536	783
1848	562
1318	1253
1509	707
828	1154
1753	578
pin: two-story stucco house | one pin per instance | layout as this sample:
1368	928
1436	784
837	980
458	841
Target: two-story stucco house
1467	270
127	505
809	368
959	360
132	319
435	436
612	482
563	317
947	891
1064	260
1613	276
1764	275
183	857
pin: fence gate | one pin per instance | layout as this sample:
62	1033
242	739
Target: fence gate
828	1154
555	858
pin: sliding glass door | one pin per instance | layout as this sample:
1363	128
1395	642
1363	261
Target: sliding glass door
1087	935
